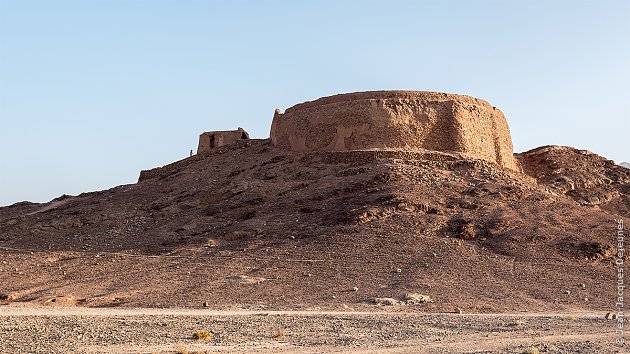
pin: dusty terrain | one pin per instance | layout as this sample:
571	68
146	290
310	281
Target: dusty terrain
37	330
248	225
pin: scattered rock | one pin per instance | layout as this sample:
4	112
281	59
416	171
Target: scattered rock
238	187
611	316
352	171
244	279
373	214
6	297
458	310
413	298
467	231
238	235
211	243
355	289
386	301
406	299
269	174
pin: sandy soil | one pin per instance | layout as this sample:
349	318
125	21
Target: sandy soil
138	330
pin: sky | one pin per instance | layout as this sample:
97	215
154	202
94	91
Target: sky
92	92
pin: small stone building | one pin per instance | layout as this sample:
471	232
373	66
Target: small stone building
212	140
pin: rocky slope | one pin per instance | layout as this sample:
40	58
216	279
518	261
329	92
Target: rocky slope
250	225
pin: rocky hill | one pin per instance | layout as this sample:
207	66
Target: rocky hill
252	224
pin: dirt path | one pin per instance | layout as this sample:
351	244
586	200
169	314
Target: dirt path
124	311
139	330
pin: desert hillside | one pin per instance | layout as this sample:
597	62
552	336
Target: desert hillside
249	225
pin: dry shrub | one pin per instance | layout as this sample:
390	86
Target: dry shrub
531	350
281	334
203	335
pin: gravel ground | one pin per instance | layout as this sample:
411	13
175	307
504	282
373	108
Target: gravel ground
77	330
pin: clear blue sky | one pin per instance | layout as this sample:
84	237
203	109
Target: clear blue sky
93	91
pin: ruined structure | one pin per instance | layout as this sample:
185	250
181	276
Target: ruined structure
212	140
408	120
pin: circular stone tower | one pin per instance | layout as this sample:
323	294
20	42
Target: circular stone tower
403	120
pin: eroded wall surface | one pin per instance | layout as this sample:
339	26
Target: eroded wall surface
397	120
213	140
